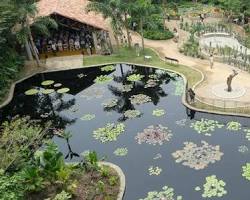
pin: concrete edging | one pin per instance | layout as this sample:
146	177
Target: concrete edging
121	176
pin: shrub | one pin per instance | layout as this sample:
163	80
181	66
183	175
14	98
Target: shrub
158	34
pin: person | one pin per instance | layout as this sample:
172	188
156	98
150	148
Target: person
53	46
211	59
176	35
134	26
191	94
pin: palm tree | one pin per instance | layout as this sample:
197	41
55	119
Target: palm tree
26	11
117	11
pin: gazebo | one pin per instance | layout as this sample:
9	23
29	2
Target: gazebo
75	25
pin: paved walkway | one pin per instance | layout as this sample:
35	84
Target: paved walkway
214	76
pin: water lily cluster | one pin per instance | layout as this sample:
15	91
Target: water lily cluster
243	149
108	68
135	77
95	92
158	112
246	171
87	117
206	126
121	151
179	88
103	79
140	99
198	157
109	132
130	114
151	83
110	103
125	88
247	132
154	135
233	126
213	187
167	193
156	171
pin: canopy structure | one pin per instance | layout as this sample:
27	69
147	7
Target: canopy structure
72	9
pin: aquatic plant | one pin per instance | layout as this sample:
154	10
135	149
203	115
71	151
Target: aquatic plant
48	91
243	149
135	77
47	82
158	112
167	193
151	83
81	75
110	103
181	122
179	88
31	92
108	68
157	156
121	151
213	187
130	114
103	79
63	90
233	126
206	126
125	88
140	99
57	85
93	92
246	171
154	170
197	157
88	117
154	135
247	136
109	132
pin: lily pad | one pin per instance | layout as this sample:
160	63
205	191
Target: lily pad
233	126
47	82
108	68
57	85
87	117
103	79
31	92
156	171
158	112
135	77
121	151
48	91
130	114
63	90
246	171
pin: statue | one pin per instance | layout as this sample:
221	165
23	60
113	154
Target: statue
229	80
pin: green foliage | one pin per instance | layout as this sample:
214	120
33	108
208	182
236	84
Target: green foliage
100	186
191	48
108	68
158	112
121	151
90	161
135	77
63	196
104	170
233	126
246	171
103	79
113	180
158	34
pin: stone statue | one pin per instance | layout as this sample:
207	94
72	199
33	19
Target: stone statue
229	80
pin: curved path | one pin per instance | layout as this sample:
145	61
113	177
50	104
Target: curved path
217	75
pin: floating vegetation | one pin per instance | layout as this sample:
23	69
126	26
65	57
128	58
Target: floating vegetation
81	75
63	90
88	117
140	99
197	188
48	91
247	131
206	126
130	114
151	83
246	171
110	103
31	92
158	112
153	76
197	157
94	92
154	135
47	82
125	88
179	88
103	79
108	68
121	151
157	156
213	187
243	149
57	85
181	122
154	171
167	193
109	133
135	77
233	126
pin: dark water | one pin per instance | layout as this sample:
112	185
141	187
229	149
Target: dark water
65	111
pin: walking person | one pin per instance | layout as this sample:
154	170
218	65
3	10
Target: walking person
211	59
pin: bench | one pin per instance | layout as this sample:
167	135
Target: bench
147	58
171	60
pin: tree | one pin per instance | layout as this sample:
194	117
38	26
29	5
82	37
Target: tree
231	6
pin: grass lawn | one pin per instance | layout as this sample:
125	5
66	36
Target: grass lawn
129	56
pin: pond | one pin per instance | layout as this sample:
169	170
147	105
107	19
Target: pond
134	116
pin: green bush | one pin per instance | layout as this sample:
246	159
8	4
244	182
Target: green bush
158	34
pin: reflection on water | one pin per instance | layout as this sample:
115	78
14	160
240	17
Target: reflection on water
156	114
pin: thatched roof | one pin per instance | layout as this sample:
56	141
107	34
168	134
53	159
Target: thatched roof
72	9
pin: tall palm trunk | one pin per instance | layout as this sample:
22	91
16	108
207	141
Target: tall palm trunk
127	30
28	50
142	36
164	6
34	49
